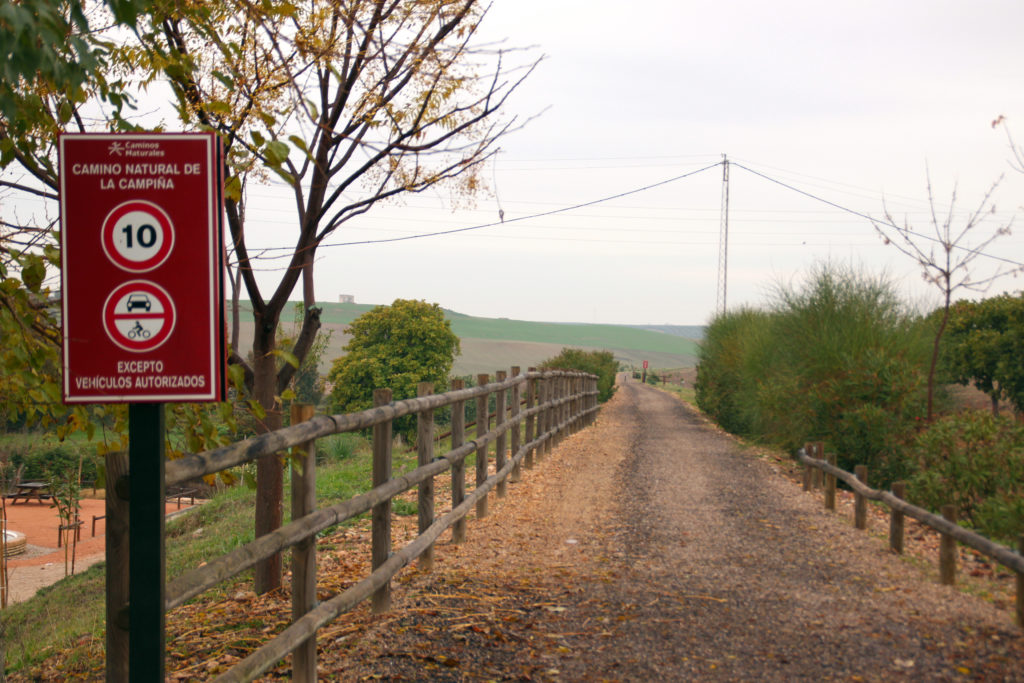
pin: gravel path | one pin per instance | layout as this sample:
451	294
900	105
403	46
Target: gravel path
652	547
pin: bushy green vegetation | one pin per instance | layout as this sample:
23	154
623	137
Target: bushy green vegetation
841	360
984	346
600	363
975	461
396	346
844	362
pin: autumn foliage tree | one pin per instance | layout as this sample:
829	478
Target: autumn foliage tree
347	103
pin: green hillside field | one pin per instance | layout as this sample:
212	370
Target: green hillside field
489	344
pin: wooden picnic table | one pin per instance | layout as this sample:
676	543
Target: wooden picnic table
30	490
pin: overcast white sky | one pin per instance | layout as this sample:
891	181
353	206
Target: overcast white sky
849	101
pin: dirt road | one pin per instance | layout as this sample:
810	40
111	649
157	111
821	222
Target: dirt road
653	547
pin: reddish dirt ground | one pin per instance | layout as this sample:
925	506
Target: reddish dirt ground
43	562
39	523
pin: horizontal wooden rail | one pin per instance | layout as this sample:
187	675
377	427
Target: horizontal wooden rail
276	649
1000	553
196	465
567	402
192	583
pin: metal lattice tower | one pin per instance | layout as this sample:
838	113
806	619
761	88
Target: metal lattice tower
723	240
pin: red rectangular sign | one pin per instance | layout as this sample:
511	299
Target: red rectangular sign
143	312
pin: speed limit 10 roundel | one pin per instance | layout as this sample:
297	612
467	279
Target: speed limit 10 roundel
137	236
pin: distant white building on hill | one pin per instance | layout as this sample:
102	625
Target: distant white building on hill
346	299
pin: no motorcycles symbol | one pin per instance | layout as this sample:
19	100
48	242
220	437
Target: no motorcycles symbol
139	316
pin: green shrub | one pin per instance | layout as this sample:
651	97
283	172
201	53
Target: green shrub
40	464
600	363
839	360
339	447
733	370
396	346
975	461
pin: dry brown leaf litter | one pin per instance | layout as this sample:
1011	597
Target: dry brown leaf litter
650	546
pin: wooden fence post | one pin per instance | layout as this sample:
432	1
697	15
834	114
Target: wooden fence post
899	490
552	414
819	474
543	418
566	408
531	420
579	402
116	511
593	399
546	386
809	452
562	420
303	487
381	513
500	417
947	550
860	505
570	416
482	426
1020	585
425	455
830	484
459	467
516	437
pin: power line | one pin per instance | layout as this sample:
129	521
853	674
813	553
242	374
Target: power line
517	219
874	221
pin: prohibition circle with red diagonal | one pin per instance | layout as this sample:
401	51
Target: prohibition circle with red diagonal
139	316
137	236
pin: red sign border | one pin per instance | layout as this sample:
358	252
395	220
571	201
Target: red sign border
216	371
107	236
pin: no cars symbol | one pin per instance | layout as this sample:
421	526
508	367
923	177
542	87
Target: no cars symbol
139	316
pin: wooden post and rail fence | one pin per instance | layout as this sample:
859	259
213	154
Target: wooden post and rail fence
951	533
549	405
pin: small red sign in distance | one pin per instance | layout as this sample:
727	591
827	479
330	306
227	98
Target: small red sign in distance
142	265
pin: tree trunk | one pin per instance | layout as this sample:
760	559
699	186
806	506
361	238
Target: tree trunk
269	473
236	323
935	358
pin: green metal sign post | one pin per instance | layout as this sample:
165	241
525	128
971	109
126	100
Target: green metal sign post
146	651
143	318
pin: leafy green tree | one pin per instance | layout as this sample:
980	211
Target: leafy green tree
600	363
48	47
395	347
984	347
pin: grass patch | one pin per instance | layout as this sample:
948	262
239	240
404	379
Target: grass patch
686	393
70	613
